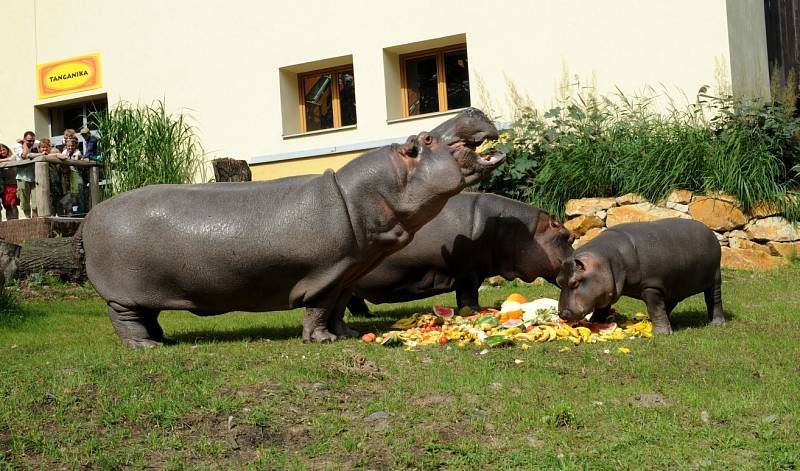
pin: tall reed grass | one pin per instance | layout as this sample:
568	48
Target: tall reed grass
608	146
145	145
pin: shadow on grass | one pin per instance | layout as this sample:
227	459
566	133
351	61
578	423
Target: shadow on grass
361	324
694	318
253	333
12	314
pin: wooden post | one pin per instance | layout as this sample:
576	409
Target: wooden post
42	189
94	186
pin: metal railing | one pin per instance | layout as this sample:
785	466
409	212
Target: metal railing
42	176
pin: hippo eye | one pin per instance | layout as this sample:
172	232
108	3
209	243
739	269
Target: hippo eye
573	284
427	140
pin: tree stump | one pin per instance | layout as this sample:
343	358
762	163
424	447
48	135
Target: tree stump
9	253
231	170
56	256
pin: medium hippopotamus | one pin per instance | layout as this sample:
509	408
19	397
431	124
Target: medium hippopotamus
476	235
661	262
273	245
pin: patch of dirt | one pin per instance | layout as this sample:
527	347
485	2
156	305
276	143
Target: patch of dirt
355	364
431	400
649	400
5	441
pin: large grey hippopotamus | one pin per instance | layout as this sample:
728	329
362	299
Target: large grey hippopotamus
661	262
281	244
476	235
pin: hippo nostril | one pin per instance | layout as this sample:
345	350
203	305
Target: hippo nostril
565	314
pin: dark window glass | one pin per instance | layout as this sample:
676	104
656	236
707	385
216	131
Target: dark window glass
347	97
422	85
457	79
318	99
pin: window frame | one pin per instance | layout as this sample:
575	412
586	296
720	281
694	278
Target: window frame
441	80
335	104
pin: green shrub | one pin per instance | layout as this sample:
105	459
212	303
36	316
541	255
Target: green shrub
601	146
144	145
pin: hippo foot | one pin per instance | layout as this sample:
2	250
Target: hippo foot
717	321
320	334
662	329
142	343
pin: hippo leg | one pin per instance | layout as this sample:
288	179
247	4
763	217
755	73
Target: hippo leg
467	292
657	311
714	302
600	315
358	307
336	322
315	328
137	329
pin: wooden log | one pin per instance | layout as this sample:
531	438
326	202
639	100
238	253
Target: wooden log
9	253
231	170
57	256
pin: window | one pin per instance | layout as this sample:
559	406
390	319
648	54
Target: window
435	80
327	99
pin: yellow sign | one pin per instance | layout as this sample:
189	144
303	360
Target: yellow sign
68	76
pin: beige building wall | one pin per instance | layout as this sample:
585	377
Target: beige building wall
232	65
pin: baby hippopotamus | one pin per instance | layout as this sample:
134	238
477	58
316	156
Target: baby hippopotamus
661	262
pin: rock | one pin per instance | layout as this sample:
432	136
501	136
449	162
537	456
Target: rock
588	206
721	196
680	197
630	198
784	249
601	214
640	212
748	245
749	259
377	416
774	228
719	215
590	234
736	234
763	210
579	225
684	208
721	238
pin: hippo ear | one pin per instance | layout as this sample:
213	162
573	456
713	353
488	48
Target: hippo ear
410	148
579	265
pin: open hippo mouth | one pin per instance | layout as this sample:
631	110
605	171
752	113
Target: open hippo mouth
476	158
471	135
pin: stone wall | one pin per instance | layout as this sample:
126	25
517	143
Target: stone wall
759	240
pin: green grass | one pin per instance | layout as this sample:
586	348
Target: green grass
703	398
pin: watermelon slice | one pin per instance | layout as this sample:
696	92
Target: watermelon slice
512	323
599	328
443	312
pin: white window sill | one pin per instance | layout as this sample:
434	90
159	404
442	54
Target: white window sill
320	131
423	116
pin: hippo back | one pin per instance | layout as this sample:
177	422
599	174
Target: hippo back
237	245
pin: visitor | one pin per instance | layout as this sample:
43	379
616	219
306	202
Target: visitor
26	178
71	152
9	181
89	147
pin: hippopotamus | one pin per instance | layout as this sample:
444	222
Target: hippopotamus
274	245
476	235
661	262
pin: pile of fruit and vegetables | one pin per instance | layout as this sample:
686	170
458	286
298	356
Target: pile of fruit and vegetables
517	322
